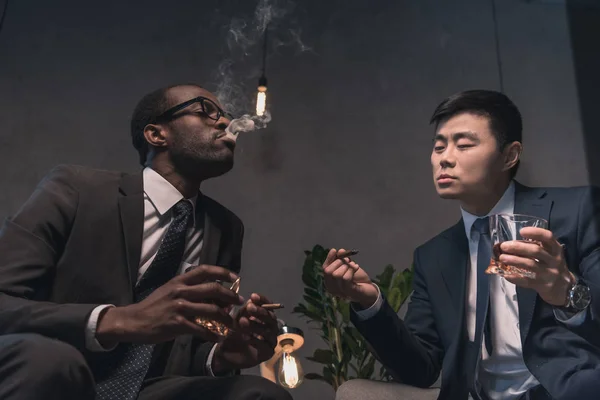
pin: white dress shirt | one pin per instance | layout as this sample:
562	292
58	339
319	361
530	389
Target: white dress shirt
159	197
503	375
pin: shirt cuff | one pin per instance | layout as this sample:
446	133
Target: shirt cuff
370	312
209	364
569	319
91	343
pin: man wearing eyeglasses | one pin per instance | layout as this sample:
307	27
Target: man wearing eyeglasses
103	274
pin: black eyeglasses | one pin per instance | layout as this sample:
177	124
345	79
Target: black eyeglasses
209	108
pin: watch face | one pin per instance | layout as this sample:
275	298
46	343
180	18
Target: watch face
581	297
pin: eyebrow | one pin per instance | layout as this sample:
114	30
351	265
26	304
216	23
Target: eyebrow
457	136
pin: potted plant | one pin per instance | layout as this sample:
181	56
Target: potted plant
347	354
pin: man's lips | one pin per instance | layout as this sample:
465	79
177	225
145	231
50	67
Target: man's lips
445	178
229	141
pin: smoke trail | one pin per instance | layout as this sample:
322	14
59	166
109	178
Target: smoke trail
244	39
247	123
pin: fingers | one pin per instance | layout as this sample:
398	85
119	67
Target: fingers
543	236
340	271
204	273
530	250
255	320
211	312
258	332
259	299
253	312
212	291
190	327
349	274
520	262
330	257
264	348
340	276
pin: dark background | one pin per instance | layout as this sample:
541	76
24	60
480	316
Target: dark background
345	161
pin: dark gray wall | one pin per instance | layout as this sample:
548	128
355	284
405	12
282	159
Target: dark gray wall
345	161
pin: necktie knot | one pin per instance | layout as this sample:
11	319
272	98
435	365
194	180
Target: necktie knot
482	226
183	208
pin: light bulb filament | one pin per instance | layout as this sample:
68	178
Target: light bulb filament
261	101
290	371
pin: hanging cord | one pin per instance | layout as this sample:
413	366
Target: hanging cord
3	15
497	39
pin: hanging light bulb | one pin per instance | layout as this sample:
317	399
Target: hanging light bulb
261	96
291	374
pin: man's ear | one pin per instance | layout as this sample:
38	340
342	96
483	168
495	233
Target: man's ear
512	155
155	135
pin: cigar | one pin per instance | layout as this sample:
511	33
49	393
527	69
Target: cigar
272	306
347	253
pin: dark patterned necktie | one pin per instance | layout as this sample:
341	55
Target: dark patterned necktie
484	255
124	382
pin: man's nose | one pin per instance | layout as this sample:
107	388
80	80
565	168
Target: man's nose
447	158
222	123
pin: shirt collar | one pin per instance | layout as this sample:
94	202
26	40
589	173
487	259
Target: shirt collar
161	193
505	205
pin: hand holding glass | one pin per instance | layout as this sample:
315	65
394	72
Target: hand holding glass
507	227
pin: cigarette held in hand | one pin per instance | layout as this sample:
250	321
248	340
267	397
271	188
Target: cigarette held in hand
272	306
347	253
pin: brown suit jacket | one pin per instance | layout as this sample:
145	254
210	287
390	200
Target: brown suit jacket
76	244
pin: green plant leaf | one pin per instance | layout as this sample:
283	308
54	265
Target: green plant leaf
308	263
319	253
348	353
313	293
322	357
385	278
312	301
301	309
325	330
398	281
344	310
352	342
395	299
368	369
309	280
346	357
328	375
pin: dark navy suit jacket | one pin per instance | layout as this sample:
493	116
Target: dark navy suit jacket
433	336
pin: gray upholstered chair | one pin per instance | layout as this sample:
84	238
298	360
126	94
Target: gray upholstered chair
363	389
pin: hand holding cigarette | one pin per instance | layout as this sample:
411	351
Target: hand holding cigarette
346	253
344	278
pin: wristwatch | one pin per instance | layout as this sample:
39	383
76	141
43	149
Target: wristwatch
578	296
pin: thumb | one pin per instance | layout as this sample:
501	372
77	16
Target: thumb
330	257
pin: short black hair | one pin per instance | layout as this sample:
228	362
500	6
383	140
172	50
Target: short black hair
504	117
149	107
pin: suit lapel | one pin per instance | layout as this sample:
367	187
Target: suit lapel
212	233
131	209
529	201
453	261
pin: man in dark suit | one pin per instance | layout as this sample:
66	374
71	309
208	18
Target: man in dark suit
538	337
103	274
